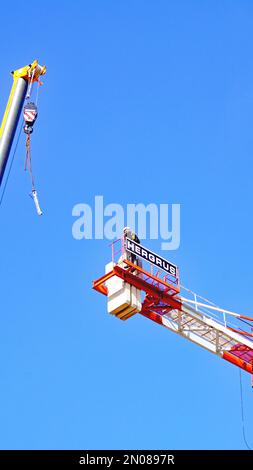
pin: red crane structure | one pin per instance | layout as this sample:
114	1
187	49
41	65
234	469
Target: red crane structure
140	281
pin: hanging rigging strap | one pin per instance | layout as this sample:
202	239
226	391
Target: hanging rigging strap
28	165
28	161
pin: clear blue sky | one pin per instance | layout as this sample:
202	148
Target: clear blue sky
162	85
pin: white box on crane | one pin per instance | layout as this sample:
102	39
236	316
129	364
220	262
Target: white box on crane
123	300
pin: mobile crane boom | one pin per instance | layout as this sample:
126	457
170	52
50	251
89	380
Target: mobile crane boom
22	78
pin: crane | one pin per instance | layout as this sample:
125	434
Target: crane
138	281
23	79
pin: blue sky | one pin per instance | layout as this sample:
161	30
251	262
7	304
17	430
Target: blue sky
164	88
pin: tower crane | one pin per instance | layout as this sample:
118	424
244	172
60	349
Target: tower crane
138	281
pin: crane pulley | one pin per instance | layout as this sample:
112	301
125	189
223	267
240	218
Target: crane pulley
30	114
